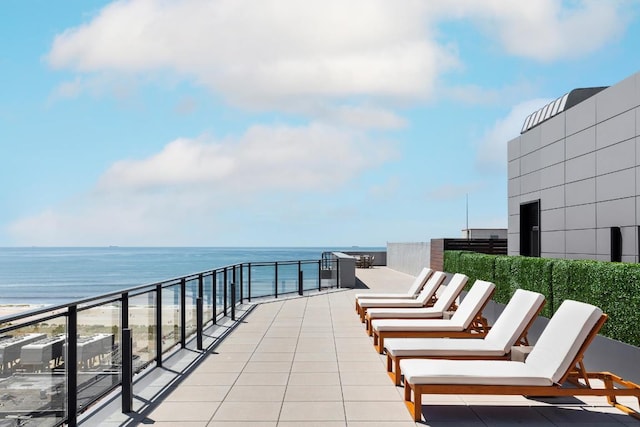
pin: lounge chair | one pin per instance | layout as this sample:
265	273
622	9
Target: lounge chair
424	297
466	322
508	330
412	292
556	359
446	301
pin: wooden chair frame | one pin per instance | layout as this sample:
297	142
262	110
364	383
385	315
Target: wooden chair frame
573	375
430	303
478	328
393	362
362	311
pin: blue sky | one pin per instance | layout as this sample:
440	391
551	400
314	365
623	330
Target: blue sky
280	122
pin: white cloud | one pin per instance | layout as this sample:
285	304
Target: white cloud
492	149
266	157
278	52
267	52
177	195
363	117
453	191
543	30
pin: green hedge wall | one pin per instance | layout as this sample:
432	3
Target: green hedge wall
614	287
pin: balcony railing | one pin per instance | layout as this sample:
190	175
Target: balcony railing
113	336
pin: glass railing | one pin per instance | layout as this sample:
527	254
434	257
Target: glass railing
112	337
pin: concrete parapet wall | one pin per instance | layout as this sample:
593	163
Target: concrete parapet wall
408	258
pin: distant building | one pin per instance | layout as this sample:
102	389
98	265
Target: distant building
484	233
574	177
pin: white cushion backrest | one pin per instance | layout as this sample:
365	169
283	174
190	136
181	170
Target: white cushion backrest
431	287
561	340
518	313
419	282
473	302
451	292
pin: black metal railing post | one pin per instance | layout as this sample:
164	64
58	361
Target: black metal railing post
159	326
233	301
127	370
249	282
224	289
71	362
183	313
241	283
300	279
200	311
337	272
319	275
276	280
199	316
124	313
214	284
234	278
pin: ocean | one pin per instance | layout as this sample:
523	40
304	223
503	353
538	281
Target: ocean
43	276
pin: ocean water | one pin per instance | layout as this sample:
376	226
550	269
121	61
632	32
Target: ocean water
59	275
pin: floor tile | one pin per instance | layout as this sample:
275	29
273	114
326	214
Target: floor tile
377	411
316	393
312	411
256	393
241	411
184	411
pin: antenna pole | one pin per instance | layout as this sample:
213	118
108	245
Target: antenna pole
468	232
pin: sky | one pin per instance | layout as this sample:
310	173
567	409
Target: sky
280	122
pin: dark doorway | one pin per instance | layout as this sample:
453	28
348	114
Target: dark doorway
530	229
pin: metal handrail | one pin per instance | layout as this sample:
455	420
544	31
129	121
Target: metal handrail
230	281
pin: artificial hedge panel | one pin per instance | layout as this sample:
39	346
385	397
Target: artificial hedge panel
452	261
533	274
617	288
614	287
477	266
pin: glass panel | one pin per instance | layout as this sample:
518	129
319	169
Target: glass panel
262	280
208	308
98	352
170	316
191	306
142	322
287	278
310	276
33	379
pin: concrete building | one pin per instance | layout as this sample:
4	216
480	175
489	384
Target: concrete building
484	233
574	177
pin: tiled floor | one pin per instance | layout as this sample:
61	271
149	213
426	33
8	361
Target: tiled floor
308	362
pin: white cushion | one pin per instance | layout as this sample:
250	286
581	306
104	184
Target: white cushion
506	330
412	292
451	292
518	313
476	372
561	340
429	289
441	347
462	317
403	313
416	325
473	302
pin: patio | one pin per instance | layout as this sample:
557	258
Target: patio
308	361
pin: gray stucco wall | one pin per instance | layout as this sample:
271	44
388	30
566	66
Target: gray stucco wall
584	167
409	258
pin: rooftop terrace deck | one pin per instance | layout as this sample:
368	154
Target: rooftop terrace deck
308	361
